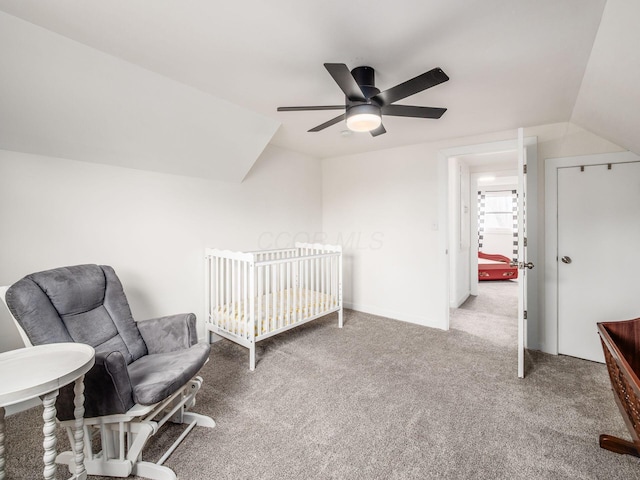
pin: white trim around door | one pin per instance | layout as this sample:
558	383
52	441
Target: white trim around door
551	233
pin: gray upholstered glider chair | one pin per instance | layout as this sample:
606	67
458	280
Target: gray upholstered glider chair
145	372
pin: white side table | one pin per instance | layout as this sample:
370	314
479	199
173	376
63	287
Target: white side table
31	372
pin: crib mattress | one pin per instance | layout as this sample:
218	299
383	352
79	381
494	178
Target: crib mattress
303	303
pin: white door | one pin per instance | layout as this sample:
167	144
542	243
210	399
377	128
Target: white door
598	256
523	265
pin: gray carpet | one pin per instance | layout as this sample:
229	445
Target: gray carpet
491	315
382	399
498	297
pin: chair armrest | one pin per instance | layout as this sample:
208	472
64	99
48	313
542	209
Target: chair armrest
107	391
168	334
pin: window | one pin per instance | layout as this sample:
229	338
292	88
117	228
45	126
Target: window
498	212
498	222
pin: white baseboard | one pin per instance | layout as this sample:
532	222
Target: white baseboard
395	315
459	301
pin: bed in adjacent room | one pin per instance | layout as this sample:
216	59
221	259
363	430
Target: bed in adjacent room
495	267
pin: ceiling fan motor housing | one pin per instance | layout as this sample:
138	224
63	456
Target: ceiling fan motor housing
366	80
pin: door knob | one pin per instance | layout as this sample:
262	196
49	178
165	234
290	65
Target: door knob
522	265
566	259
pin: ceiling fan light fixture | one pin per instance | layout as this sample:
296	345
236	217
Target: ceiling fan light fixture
365	103
364	118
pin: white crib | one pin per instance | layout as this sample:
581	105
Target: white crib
251	296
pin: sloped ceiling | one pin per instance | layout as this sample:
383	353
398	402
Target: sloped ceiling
63	99
609	100
511	63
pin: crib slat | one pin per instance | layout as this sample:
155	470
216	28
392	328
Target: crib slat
227	284
260	271
276	289
209	265
217	288
209	295
296	288
288	289
238	285
238	304
228	297
222	286
281	292
252	302
323	274
316	285
274	302
331	286
234	295
238	281
245	299
301	291
267	310
312	288
310	295
327	291
220	289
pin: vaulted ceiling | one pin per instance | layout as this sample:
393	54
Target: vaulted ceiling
222	68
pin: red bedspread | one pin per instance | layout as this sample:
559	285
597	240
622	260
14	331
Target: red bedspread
496	271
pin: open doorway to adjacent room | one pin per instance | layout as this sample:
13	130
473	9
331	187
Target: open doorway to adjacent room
483	214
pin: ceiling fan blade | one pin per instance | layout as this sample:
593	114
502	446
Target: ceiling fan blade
410	87
320	107
345	81
411	111
333	121
378	131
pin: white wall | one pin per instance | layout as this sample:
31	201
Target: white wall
459	232
389	200
500	243
394	195
151	227
382	206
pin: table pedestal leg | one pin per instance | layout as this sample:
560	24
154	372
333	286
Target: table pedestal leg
78	429
1	443
49	430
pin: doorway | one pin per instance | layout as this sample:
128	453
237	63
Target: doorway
454	258
488	193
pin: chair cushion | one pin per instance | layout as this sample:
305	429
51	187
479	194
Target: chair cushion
155	377
72	290
81	303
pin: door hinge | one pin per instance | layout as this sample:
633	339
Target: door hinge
525	314
524	168
525	241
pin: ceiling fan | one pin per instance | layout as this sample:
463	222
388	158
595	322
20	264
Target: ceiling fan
365	104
